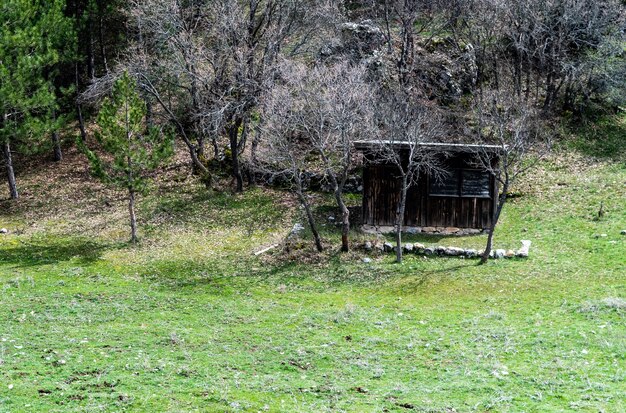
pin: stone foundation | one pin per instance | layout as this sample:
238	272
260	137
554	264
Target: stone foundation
421	249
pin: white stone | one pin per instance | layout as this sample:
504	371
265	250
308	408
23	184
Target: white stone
525	250
454	251
500	253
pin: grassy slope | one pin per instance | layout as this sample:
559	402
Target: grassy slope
192	321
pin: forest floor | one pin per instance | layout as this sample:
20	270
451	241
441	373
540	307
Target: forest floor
191	320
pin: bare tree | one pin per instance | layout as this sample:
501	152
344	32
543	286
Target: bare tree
514	128
284	151
334	108
407	125
545	48
208	63
169	57
411	18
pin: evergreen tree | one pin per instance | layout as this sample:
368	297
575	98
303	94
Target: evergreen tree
134	149
31	36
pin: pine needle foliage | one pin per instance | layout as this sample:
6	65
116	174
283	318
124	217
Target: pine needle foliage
33	35
132	149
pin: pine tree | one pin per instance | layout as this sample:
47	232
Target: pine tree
133	149
31	36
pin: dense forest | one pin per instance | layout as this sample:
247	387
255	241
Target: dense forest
270	90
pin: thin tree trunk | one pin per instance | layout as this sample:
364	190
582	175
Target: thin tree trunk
81	123
388	28
8	162
501	201
400	219
345	221
103	54
79	111
56	142
181	129
216	148
91	59
253	155
133	218
233	134
309	214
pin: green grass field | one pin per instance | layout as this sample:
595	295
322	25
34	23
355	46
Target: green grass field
191	320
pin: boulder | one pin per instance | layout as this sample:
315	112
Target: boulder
419	246
368	246
623	232
408	247
500	253
450	230
523	252
439	250
429	251
509	254
470	253
366	260
4	231
429	229
413	230
472	231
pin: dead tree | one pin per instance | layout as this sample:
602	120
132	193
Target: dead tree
283	152
333	109
505	121
407	125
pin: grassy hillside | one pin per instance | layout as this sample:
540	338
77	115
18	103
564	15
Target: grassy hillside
192	320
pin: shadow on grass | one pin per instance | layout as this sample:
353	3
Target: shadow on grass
252	210
408	284
52	250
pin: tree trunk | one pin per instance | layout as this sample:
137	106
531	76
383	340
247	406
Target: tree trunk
103	54
309	214
216	148
133	218
400	218
56	144
91	59
8	162
79	111
345	220
233	134
253	154
388	28
501	201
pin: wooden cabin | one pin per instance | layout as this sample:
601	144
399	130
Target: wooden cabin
463	197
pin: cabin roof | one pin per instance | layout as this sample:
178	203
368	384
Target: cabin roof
435	146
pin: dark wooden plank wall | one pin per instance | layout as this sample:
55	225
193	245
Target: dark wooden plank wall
381	195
